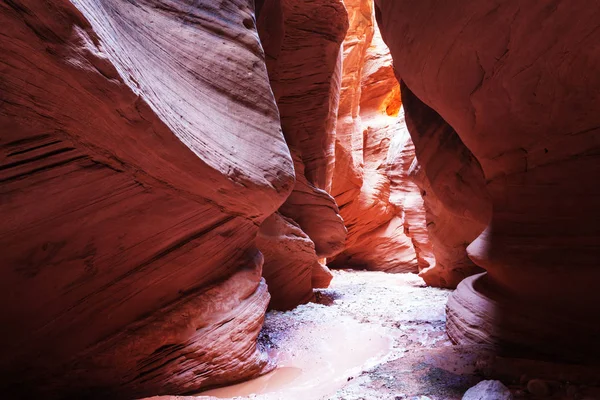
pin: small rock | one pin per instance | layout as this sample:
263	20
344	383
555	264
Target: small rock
488	390
538	387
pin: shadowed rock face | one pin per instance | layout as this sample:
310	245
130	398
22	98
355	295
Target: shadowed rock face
302	42
452	188
404	193
140	150
293	268
518	83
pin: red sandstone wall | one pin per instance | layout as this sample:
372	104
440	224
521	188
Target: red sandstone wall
518	83
302	42
140	150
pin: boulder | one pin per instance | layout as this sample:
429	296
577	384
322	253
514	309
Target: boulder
488	390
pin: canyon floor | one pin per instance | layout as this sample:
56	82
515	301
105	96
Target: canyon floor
338	346
372	336
365	337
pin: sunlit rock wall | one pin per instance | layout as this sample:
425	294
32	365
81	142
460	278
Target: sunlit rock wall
371	182
392	208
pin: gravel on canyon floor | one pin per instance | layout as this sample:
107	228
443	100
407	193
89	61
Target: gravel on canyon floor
335	347
378	336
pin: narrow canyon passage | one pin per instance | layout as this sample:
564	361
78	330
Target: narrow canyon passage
300	199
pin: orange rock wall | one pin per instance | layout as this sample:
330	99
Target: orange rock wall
371	181
400	215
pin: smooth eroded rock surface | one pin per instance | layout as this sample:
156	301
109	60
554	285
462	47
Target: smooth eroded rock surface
290	262
518	83
140	149
452	187
302	42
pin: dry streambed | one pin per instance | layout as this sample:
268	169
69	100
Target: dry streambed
377	336
333	348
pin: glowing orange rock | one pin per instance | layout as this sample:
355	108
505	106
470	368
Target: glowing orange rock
302	42
371	180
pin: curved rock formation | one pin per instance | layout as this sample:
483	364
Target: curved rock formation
405	193
452	188
141	149
371	179
317	214
302	42
518	82
292	268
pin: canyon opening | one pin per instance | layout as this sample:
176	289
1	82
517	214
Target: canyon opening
300	199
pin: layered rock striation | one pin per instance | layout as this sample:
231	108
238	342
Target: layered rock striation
302	42
141	149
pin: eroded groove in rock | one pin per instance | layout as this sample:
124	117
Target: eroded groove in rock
180	347
302	42
140	152
518	82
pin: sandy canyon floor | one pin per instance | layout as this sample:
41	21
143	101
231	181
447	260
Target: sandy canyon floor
370	335
338	346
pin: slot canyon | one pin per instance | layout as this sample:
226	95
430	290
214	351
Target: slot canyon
300	199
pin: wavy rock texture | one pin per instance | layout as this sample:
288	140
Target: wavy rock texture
405	193
518	83
292	269
302	42
366	161
141	149
453	190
